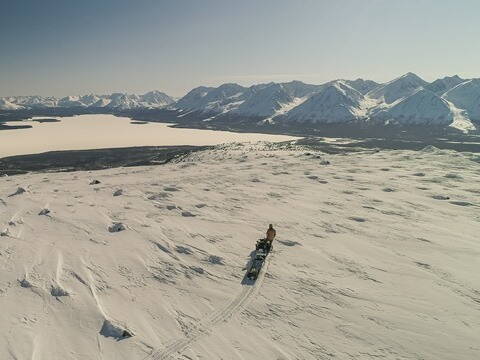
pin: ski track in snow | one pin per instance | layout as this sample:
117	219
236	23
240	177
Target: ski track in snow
217	317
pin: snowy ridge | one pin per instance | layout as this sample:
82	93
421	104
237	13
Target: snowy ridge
337	102
398	88
422	107
265	101
466	96
7	105
441	86
212	100
152	99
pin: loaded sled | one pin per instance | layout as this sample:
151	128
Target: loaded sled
264	244
262	248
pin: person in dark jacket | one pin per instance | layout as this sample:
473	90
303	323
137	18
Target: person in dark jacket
271	233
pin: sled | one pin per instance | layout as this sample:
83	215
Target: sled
262	248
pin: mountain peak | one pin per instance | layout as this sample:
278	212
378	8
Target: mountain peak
411	76
398	88
453	78
337	102
422	107
441	86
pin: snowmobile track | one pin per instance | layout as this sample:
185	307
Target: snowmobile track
205	326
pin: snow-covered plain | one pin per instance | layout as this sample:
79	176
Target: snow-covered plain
376	257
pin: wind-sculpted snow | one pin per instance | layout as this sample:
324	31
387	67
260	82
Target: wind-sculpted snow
376	257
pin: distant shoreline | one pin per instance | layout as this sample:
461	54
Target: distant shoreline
93	159
46	120
14	127
99	159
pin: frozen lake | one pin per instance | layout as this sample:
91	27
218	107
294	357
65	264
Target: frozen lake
108	131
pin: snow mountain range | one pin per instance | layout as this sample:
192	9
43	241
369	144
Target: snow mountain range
121	101
406	100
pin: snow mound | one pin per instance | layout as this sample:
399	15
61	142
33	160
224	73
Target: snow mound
44	211
110	329
118	192
58	291
19	191
430	149
116	227
25	283
5	232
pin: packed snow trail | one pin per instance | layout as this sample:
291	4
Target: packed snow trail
205	326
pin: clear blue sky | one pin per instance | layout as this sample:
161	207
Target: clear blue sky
60	47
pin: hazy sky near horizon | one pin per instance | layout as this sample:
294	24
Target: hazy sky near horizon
62	47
